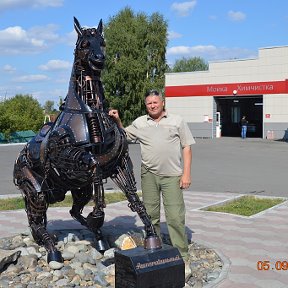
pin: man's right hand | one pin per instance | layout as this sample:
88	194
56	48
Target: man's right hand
115	115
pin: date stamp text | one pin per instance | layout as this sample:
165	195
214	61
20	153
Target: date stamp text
266	265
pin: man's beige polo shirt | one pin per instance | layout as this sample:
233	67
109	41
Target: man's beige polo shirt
161	142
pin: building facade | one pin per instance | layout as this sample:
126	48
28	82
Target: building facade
214	101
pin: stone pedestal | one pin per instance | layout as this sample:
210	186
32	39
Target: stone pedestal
144	268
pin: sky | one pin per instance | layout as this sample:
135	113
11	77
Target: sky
37	37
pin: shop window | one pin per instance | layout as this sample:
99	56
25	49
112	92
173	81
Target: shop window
235	114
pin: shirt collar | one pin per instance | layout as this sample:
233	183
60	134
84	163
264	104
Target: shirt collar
165	115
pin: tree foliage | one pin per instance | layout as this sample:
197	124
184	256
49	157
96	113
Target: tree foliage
19	113
189	65
135	60
49	107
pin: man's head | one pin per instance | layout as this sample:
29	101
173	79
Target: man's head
154	104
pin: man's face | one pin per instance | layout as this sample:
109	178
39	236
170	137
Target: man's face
154	106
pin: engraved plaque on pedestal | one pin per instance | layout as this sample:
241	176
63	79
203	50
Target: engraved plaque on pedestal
145	268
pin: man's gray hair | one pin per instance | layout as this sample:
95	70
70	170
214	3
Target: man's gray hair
153	93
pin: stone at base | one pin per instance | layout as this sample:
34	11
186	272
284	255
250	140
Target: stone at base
144	268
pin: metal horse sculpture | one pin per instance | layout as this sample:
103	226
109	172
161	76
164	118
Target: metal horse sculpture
77	152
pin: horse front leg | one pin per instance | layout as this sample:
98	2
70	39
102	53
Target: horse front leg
125	180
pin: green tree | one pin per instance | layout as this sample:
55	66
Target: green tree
60	101
135	60
189	65
49	107
19	113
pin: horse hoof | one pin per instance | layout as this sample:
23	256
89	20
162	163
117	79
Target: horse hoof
54	256
152	242
102	245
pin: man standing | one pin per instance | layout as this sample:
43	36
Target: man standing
161	135
244	124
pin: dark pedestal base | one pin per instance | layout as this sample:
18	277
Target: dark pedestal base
143	268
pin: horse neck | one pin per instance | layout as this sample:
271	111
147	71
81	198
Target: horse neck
89	87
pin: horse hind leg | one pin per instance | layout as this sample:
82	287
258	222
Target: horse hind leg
125	180
36	209
95	219
36	204
81	197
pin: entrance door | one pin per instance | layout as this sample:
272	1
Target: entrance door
233	108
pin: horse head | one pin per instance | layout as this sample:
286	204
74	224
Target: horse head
89	51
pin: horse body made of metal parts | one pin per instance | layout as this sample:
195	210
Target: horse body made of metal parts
76	152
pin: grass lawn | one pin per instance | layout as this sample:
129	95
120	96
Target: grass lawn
246	205
18	202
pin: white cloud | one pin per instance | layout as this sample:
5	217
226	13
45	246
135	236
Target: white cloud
47	32
183	8
236	15
188	50
53	65
208	53
16	4
46	3
8	68
16	32
31	78
173	35
16	40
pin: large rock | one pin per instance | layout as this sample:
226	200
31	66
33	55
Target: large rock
7	257
125	242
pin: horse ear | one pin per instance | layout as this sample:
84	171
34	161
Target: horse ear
100	27
77	26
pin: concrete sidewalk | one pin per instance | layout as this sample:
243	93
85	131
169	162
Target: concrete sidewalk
240	241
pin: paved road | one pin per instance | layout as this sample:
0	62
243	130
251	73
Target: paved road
254	166
242	166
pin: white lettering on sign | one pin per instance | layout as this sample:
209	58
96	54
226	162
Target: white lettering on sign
216	89
263	87
157	262
241	88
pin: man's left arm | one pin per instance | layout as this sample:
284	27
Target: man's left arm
185	180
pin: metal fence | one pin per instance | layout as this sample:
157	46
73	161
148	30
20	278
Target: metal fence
17	137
